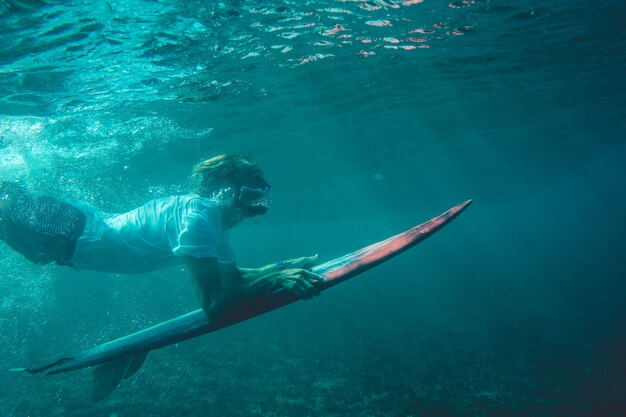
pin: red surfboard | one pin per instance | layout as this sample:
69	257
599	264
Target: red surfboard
121	358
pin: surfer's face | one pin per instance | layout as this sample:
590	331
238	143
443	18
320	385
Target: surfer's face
253	194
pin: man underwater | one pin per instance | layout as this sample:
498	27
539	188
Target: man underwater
191	229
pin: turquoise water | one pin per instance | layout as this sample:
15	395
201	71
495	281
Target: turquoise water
368	117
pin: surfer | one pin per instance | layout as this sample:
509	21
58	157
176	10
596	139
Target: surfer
191	229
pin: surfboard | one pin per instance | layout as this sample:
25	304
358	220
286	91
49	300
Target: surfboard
121	358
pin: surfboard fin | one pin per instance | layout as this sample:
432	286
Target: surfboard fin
136	362
109	375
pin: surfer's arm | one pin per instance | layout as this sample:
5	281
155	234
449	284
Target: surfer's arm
291	275
297	281
218	285
206	279
303	262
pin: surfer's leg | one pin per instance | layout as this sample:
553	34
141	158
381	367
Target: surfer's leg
43	229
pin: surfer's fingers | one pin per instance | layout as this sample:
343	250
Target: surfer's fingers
311	276
296	284
306	284
303	262
309	261
306	289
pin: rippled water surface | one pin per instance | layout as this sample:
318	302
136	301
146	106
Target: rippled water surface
368	117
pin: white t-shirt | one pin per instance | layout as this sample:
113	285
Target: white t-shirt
153	236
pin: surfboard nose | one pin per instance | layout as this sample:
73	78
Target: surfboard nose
460	207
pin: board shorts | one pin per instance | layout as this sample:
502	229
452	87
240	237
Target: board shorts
44	229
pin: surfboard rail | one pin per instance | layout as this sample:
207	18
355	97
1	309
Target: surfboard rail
196	323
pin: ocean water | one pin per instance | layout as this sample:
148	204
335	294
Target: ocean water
368	117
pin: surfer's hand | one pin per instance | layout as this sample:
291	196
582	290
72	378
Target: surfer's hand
298	281
305	262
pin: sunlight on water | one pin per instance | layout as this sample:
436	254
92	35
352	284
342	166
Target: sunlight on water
142	50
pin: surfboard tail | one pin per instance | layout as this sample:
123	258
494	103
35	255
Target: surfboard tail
34	371
14	371
107	376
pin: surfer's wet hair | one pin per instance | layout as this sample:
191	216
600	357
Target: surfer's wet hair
225	169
